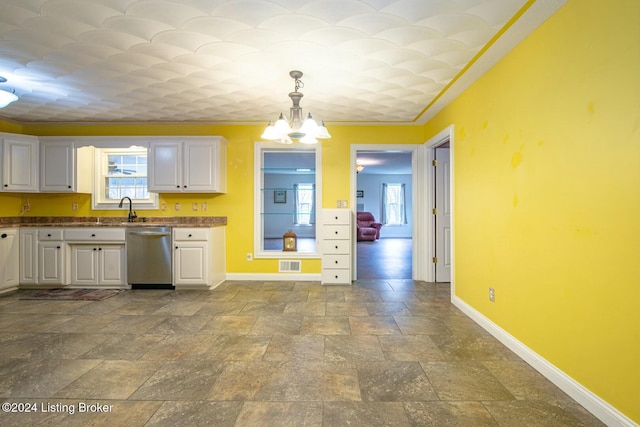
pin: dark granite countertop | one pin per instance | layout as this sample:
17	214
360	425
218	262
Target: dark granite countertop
111	221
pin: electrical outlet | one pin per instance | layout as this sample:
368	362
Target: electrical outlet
195	206
492	295
74	206
249	257
163	206
204	206
341	204
177	206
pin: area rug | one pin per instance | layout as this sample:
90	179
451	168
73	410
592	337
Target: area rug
72	294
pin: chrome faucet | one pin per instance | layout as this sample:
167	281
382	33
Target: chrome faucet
132	214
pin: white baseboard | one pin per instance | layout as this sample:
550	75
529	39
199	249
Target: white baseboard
591	402
295	277
7	290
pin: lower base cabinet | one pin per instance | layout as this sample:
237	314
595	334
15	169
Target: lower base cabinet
98	265
96	257
51	263
199	257
9	259
28	256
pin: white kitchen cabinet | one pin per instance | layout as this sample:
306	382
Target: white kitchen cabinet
51	263
336	231
199	258
65	168
9	259
196	166
97	265
28	256
19	163
97	256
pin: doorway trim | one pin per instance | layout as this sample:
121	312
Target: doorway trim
416	194
428	244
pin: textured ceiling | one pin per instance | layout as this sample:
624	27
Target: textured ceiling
364	61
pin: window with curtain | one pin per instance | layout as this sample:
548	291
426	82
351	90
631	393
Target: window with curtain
303	203
393	204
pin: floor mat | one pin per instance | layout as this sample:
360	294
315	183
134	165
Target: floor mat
72	294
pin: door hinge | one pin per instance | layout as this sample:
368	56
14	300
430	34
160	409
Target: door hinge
434	211
435	260
434	162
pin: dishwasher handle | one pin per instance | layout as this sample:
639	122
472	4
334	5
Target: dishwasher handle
150	233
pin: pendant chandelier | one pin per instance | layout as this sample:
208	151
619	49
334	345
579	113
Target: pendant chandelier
285	130
6	97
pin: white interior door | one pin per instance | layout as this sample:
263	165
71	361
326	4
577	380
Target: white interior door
442	218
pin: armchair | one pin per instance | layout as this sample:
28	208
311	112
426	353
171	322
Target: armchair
367	229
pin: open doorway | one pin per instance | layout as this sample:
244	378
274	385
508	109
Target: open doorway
384	214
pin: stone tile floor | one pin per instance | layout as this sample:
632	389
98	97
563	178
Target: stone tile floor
378	353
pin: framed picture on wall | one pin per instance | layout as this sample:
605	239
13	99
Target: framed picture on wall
280	196
360	193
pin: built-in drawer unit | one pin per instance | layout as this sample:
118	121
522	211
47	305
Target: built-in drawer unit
335	238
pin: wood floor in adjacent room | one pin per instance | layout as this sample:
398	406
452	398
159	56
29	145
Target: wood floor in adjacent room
386	258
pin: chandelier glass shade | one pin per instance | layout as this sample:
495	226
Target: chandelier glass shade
306	131
6	98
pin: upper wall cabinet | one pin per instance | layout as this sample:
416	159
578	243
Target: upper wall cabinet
195	165
19	162
65	168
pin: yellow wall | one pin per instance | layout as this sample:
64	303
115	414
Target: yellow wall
547	195
237	204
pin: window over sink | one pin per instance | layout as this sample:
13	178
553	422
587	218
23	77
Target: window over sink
122	172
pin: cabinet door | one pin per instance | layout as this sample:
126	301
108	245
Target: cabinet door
112	262
57	166
200	167
84	265
20	164
51	263
9	258
28	255
165	166
190	264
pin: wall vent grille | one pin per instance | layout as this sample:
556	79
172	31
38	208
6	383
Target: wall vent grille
290	266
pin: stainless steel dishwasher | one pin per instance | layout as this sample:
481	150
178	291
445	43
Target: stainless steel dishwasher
149	257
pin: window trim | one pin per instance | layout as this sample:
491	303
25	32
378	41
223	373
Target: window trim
258	232
402	205
98	202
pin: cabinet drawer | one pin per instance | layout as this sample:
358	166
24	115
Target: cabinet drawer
50	234
191	234
94	234
336	232
336	216
336	247
336	277
336	261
